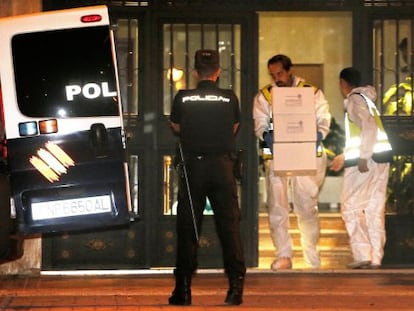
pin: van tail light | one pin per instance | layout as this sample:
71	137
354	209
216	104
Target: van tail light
48	126
92	18
28	128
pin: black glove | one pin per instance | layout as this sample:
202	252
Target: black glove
319	137
268	139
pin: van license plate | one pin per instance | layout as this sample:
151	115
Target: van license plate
74	207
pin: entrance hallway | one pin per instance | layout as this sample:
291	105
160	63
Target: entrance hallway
333	244
264	290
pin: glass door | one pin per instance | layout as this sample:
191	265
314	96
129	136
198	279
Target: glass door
179	44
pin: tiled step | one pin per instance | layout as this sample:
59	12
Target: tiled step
326	243
333	244
330	260
326	220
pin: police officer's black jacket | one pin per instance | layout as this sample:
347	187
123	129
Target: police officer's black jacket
206	116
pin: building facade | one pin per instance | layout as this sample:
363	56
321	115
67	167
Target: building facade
156	40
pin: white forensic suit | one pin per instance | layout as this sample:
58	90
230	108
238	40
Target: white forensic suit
364	194
304	189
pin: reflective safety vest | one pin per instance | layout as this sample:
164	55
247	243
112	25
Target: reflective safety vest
264	151
382	149
267	90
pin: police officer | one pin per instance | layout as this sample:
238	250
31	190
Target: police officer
305	189
206	120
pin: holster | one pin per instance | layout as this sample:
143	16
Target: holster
239	164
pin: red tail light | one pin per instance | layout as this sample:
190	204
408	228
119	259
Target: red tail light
91	18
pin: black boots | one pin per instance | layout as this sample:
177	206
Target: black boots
181	296
235	292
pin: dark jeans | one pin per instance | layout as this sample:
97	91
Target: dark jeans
209	176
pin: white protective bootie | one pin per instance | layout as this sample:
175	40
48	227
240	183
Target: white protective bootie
312	258
282	263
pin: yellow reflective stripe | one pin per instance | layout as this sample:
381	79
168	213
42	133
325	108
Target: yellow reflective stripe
382	146
266	93
374	112
352	134
353	152
307	84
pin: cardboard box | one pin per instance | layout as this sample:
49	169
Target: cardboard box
294	127
294	159
293	100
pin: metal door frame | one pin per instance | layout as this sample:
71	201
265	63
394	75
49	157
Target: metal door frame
246	140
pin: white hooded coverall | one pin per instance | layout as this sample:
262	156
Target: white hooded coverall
363	194
304	189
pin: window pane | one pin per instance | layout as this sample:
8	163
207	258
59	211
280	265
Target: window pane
175	71
126	36
133	183
393	65
229	45
180	43
171	181
170	187
47	66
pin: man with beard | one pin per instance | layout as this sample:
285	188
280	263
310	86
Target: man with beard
304	189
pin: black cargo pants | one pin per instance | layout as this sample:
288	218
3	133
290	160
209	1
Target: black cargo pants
209	176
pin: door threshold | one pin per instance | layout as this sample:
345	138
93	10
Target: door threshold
168	271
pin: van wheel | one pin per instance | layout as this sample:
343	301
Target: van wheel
11	245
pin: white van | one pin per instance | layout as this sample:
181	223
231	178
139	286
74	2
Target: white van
62	117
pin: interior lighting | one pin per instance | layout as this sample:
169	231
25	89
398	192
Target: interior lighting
175	74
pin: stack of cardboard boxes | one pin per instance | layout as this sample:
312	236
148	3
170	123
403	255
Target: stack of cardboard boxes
294	130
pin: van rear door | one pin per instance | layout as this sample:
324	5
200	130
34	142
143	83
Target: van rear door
63	121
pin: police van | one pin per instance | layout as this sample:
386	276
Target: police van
64	141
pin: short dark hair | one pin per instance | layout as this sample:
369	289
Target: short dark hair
351	75
280	58
206	62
